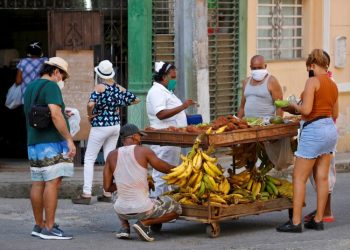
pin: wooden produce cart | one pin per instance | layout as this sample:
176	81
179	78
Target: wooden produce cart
212	215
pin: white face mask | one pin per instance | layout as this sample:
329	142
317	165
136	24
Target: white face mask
259	74
60	84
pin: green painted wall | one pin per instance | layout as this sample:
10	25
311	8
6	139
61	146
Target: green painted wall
243	15
139	57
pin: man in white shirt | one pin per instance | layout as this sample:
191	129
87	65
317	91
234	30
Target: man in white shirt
165	109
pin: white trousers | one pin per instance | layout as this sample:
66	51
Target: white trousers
171	155
106	137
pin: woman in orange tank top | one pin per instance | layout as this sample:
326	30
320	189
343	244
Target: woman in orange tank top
317	141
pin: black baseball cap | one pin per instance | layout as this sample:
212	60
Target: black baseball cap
130	129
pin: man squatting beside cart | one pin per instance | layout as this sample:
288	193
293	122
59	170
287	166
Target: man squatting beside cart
127	165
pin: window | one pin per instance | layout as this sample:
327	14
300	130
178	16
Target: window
223	57
163	34
279	33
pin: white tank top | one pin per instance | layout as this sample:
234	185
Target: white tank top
259	102
132	186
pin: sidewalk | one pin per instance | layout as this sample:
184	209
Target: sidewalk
15	178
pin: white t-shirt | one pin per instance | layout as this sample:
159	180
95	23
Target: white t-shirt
160	98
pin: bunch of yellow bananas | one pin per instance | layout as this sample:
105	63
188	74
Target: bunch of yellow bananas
196	176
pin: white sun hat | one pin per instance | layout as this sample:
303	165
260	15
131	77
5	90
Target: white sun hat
59	63
105	70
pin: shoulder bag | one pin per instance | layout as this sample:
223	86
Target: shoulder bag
39	116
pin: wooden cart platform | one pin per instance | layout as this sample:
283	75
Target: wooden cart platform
213	215
226	139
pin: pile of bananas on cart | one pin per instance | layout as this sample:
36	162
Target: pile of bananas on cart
200	180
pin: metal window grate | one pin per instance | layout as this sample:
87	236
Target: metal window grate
279	29
163	36
223	39
62	4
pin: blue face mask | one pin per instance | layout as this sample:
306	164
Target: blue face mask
171	84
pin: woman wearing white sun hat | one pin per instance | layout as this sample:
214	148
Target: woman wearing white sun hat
103	114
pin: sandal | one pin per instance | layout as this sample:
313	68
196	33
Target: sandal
82	200
326	219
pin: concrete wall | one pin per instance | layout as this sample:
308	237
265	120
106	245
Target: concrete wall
292	73
340	26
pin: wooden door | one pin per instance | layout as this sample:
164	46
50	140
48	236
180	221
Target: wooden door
74	30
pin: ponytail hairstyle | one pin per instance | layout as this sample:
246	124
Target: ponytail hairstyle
318	57
161	70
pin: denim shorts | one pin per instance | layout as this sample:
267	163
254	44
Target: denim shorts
48	161
317	138
162	205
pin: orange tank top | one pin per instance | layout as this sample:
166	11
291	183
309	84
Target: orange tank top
324	99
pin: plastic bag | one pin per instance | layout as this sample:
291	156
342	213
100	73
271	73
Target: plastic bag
14	97
280	153
73	120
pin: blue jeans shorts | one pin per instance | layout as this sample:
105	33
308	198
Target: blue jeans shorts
317	138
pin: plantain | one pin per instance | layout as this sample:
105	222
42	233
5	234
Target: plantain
197	165
256	188
250	184
210	183
272	186
177	196
209	130
187	201
214	168
176	171
201	190
225	186
208	170
181	182
195	158
275	181
187	171
221	129
208	158
172	181
216	198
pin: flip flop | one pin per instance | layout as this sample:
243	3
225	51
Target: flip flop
310	216
329	219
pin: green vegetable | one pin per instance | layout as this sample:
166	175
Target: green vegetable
281	103
276	120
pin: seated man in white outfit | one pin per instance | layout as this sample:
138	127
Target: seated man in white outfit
127	165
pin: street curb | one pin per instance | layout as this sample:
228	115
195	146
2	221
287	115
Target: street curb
70	189
67	190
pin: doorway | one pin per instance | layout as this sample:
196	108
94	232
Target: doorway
20	28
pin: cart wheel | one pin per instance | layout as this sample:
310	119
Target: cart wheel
156	227
213	230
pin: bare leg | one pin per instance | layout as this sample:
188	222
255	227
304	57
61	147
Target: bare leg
36	198
123	222
322	170
50	201
328	208
164	218
302	170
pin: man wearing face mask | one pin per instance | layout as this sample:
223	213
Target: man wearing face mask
165	109
260	91
50	150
